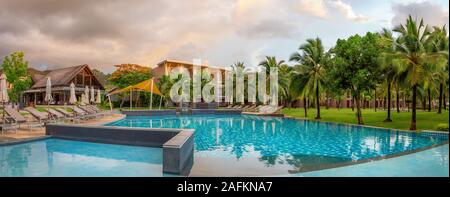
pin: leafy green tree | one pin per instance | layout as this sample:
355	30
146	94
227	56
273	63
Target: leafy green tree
102	77
129	74
356	66
412	57
311	66
16	71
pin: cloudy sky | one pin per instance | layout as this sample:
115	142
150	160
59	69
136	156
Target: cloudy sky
103	33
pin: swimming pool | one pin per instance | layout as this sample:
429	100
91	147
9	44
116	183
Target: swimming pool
67	158
246	145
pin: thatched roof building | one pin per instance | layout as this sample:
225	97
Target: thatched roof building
81	76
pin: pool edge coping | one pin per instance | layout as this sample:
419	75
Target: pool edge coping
25	140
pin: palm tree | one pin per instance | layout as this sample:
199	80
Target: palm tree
164	84
284	80
239	66
438	43
297	86
272	62
411	56
389	71
311	62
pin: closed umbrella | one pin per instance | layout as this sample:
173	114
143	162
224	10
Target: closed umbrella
92	95
73	97
4	98
48	91
99	98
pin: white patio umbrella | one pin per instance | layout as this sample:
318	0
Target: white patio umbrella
72	97
48	91
99	98
92	95
4	98
86	95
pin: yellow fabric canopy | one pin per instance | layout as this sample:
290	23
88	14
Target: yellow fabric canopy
145	86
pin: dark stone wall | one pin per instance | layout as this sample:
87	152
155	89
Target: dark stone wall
149	112
177	144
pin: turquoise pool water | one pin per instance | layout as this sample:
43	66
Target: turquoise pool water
61	158
252	145
238	145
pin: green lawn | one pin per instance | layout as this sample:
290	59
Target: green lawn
402	120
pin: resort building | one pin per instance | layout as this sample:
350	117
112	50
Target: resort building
61	79
166	66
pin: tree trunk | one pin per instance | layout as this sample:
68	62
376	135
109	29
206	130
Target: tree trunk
317	103
441	87
358	111
405	103
339	104
413	118
388	119
398	101
305	105
445	104
429	99
376	101
353	104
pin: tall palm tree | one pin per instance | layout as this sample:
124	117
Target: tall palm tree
438	43
297	86
239	66
283	80
389	71
411	56
311	67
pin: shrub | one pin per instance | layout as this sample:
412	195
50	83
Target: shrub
442	127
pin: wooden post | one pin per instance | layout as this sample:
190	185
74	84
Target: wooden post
131	99
151	94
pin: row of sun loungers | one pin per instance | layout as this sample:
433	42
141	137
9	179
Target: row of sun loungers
14	119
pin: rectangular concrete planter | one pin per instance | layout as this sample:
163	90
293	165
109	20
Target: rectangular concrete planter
177	144
178	153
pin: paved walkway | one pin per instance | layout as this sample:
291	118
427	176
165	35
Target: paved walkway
428	163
